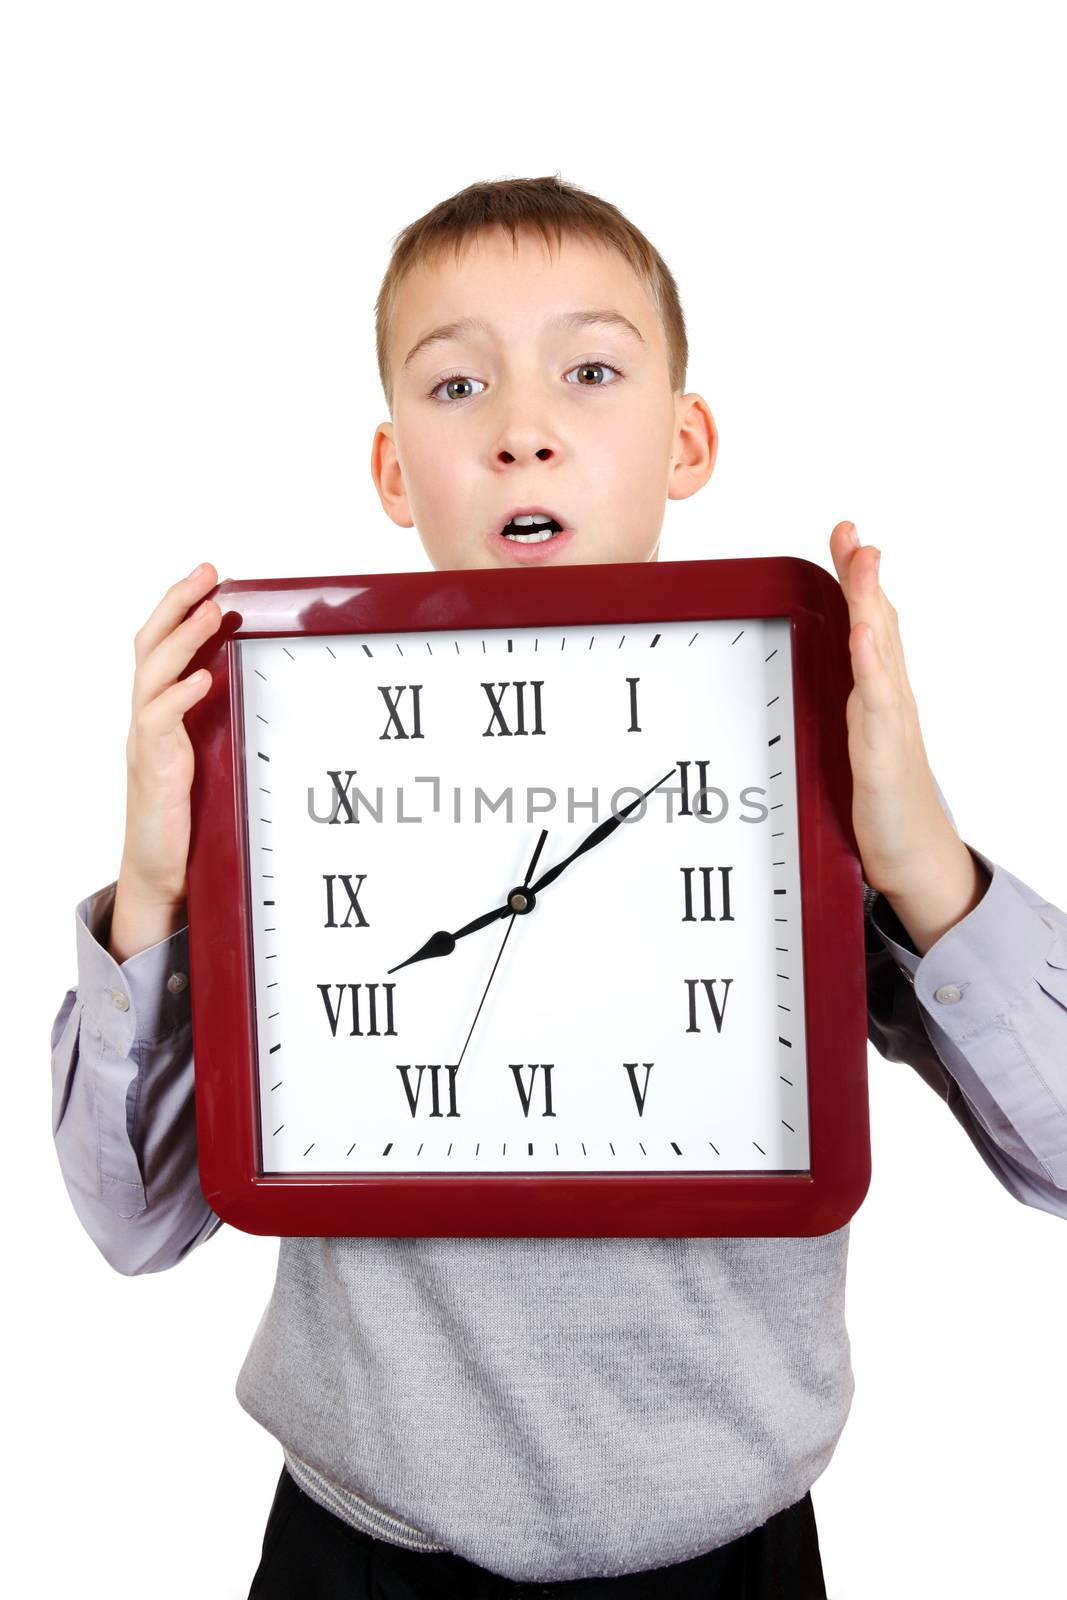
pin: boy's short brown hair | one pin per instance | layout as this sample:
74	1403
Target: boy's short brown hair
547	204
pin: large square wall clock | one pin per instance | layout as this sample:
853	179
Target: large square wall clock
526	902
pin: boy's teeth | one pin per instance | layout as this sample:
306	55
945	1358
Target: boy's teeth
540	527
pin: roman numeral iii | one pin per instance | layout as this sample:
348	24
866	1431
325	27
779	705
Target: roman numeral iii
722	914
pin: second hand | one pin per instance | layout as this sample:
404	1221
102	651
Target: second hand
500	952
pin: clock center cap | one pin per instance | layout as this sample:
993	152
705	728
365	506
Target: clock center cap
522	900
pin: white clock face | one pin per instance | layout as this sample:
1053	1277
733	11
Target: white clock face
644	1014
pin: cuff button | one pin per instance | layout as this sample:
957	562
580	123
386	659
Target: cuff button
177	982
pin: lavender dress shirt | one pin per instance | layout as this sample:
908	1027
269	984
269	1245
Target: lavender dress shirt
982	1017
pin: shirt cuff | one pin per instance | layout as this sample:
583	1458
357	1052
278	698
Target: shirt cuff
141	999
980	989
982	966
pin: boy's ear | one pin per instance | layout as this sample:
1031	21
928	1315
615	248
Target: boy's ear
696	445
388	478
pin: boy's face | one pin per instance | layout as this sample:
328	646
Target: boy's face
517	426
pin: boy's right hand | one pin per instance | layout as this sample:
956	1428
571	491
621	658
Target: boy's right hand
151	889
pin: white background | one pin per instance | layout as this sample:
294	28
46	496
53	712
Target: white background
862	206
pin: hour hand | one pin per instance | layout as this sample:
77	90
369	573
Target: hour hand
443	944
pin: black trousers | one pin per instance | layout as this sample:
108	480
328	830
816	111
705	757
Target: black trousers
309	1554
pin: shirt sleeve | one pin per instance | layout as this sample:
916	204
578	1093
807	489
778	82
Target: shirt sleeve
123	1112
982	1017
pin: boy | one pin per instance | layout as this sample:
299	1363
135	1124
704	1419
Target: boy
499	1416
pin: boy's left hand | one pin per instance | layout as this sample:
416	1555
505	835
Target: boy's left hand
902	831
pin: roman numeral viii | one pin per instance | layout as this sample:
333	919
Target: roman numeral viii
372	1007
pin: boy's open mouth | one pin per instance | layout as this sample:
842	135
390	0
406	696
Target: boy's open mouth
530	533
531	529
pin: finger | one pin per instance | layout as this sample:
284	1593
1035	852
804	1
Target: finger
172	608
877	612
852	561
844	541
872	606
163	665
875	683
866	607
867	602
159	718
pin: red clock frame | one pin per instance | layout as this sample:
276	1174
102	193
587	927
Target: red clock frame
653	1204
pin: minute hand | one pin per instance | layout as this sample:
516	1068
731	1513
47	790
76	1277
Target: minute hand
598	835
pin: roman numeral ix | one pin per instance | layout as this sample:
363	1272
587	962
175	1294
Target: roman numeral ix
353	900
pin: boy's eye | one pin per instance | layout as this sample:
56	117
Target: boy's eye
595	366
583	366
453	377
